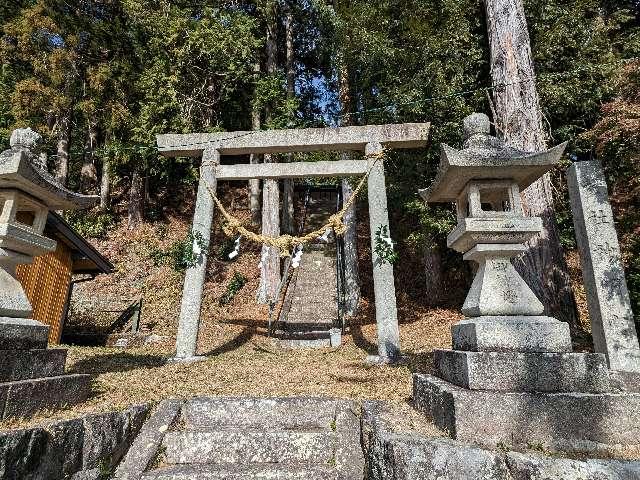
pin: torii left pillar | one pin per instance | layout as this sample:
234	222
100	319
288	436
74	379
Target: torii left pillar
194	279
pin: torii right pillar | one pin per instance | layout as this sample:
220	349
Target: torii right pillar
383	284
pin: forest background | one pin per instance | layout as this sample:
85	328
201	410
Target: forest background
100	78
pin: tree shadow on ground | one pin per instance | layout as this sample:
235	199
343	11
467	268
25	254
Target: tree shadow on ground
359	340
236	342
419	362
117	362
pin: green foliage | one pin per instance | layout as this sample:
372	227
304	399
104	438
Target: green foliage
181	254
633	276
90	224
233	287
270	93
128	70
384	246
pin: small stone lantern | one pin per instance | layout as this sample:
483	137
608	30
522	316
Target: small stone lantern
27	193
32	377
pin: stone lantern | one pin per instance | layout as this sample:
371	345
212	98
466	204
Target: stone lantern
27	193
511	377
485	180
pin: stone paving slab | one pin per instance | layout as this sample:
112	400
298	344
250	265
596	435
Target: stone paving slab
571	422
524	372
25	397
249	446
26	364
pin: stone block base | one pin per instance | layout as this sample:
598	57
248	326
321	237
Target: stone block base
22	334
569	422
514	333
26	364
625	381
524	372
26	397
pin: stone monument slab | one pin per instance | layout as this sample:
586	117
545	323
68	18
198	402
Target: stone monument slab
612	322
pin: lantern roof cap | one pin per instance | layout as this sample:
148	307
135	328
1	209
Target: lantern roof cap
485	157
22	168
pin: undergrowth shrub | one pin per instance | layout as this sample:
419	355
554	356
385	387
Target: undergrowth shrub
633	278
181	254
223	251
233	287
90	224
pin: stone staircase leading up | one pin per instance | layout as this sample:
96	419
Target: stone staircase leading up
248	438
310	307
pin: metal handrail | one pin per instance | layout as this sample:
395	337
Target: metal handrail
340	277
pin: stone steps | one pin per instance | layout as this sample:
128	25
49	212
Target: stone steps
24	398
310	308
244	472
242	438
28	364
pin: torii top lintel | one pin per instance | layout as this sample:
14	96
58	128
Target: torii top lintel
401	135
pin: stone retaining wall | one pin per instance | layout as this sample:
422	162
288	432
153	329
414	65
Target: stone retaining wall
84	448
399	455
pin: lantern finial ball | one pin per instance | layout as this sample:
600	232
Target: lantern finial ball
476	123
26	138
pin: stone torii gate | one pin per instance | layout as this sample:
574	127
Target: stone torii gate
211	146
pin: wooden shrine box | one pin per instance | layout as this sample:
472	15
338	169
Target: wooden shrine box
48	280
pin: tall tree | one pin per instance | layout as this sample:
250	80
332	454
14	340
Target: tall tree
254	158
518	120
287	184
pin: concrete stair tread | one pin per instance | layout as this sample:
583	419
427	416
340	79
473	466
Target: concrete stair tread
244	472
304	333
299	323
305	342
249	446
